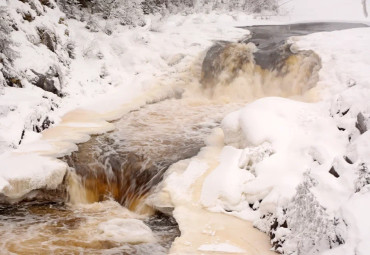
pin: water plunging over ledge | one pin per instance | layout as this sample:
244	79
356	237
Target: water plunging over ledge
120	168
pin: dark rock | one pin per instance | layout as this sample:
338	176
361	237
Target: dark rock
361	124
28	16
47	3
46	82
36	7
345	112
217	62
152	6
284	225
46	123
71	50
349	161
274	225
14	82
333	172
22	136
48	38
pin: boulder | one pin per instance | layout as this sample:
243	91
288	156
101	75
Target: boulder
47	82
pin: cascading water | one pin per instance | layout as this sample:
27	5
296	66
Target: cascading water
112	174
126	163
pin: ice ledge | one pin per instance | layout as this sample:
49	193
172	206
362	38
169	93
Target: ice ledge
22	173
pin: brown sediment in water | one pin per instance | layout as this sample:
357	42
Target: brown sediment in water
232	67
125	165
53	228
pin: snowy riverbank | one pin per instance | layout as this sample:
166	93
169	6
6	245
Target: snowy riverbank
299	171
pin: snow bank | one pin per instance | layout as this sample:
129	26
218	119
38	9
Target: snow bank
300	171
281	138
328	10
201	230
22	173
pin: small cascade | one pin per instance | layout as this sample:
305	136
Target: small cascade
125	164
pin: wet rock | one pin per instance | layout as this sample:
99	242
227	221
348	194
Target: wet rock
361	123
224	58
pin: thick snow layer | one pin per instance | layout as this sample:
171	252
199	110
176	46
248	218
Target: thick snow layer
181	183
329	10
227	181
19	107
313	170
22	173
203	231
299	134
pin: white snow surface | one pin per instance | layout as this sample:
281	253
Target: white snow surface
328	10
298	134
29	172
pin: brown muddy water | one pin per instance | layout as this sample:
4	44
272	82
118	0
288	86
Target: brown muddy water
104	211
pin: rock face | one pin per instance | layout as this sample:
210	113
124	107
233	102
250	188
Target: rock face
361	123
48	38
49	82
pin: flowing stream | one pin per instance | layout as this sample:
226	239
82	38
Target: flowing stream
104	209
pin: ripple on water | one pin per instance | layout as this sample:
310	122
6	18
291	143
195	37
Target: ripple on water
91	229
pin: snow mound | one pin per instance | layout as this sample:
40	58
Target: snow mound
17	178
180	183
299	134
125	231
